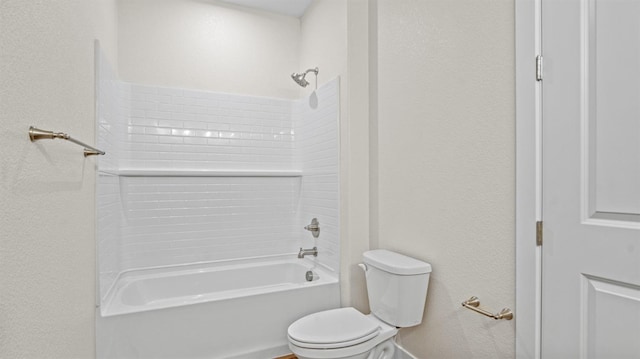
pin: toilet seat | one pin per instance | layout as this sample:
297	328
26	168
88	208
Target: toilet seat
306	343
331	329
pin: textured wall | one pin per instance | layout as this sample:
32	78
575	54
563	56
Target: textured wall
47	246
445	158
208	45
446	164
323	42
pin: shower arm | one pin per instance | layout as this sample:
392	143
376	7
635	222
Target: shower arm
315	71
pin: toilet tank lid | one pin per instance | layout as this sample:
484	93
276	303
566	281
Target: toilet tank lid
395	263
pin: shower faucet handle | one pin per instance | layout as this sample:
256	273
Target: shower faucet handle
314	228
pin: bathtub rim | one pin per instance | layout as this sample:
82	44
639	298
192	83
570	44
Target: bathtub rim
328	276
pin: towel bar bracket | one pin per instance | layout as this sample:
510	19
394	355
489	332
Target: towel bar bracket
36	134
473	303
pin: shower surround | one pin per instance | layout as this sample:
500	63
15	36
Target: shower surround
194	179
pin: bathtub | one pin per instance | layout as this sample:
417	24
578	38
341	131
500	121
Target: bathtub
233	309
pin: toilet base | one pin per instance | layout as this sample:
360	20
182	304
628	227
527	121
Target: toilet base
384	350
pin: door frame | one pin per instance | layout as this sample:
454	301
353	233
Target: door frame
528	40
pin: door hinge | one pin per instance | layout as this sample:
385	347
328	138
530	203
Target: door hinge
539	233
539	68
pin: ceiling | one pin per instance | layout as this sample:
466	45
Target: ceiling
294	8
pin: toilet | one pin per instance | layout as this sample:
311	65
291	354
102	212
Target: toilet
397	289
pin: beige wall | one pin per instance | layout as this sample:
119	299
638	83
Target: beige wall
208	45
355	141
445	164
323	41
334	38
439	146
47	256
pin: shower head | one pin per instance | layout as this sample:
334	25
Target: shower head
299	78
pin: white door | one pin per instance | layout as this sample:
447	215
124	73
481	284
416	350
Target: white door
591	179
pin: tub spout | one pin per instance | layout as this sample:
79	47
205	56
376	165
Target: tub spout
306	252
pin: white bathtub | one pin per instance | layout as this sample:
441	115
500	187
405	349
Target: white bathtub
233	309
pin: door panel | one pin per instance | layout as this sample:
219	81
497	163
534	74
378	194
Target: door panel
591	179
611	38
603	337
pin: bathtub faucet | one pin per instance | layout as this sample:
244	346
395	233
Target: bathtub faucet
306	252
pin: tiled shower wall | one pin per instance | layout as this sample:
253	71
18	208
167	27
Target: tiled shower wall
172	128
110	104
151	219
177	220
317	145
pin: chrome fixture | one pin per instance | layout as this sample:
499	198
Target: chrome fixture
309	276
38	134
299	78
314	228
307	252
473	303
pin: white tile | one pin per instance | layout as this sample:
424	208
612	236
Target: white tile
168	91
171	123
169	107
184	116
161	115
160	99
143	89
157	131
169	139
183	219
195	125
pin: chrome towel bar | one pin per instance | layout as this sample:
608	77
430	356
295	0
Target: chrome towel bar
473	303
38	134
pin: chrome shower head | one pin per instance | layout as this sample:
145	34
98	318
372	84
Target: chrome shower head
299	78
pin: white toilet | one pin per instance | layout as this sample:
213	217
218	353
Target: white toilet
397	287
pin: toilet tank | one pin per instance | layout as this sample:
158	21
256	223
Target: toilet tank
397	287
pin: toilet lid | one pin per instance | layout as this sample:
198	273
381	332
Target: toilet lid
333	328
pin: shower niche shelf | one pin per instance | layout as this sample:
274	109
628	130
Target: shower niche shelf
204	173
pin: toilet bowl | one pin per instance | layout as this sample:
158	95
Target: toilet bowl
397	288
342	333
